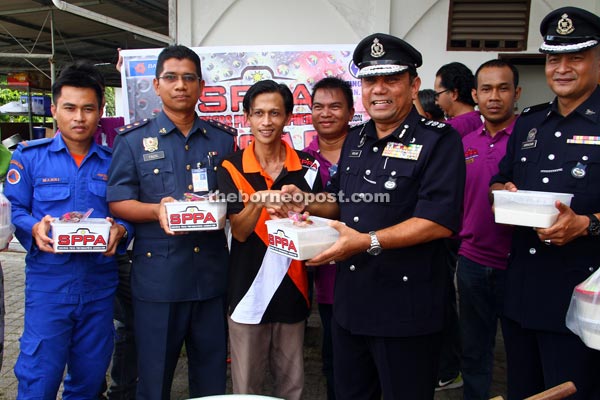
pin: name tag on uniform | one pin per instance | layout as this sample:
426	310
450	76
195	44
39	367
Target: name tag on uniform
200	180
355	153
154	156
529	144
399	150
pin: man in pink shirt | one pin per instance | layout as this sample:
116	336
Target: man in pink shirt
483	253
332	110
453	85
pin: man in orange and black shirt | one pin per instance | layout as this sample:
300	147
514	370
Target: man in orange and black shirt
268	293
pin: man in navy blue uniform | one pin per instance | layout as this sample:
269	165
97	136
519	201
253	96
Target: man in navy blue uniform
68	296
178	281
389	296
547	152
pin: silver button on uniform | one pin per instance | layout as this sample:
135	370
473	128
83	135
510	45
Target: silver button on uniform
405	278
532	251
356	219
352	268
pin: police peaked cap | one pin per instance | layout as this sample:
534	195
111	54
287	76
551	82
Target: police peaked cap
381	54
569	30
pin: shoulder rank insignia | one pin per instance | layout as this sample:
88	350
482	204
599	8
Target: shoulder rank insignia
130	127
538	107
225	128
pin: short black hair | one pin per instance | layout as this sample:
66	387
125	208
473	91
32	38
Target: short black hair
334	83
79	74
181	53
458	76
269	86
427	99
497	63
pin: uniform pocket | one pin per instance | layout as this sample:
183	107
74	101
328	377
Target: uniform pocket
29	367
98	187
51	191
158	178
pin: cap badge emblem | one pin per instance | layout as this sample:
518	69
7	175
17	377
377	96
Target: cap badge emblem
565	25
150	144
377	49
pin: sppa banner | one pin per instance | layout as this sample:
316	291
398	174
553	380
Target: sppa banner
228	72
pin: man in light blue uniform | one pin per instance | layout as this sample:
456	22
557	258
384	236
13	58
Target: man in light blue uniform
178	281
68	296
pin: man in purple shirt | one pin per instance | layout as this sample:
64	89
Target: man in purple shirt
332	110
485	245
453	85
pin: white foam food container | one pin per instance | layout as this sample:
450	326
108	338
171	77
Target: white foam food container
198	215
6	232
300	242
527	207
87	236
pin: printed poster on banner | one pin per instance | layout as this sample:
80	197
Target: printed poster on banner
228	72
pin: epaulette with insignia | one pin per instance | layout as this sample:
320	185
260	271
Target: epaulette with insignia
130	127
538	107
225	128
435	125
28	144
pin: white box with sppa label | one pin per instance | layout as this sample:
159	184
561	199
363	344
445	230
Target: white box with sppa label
199	215
300	242
87	236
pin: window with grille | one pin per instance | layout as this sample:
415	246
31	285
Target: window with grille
488	25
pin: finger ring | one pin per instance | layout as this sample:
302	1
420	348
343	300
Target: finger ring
547	242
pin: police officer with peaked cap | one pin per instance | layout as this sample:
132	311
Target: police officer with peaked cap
555	147
389	291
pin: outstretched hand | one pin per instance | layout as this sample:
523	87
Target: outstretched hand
349	243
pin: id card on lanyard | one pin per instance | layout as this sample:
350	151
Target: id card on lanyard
200	180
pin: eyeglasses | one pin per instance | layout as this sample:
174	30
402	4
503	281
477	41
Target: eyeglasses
437	94
172	78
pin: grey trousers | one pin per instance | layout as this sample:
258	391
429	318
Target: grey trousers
276	346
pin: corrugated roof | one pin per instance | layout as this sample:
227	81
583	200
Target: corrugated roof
25	26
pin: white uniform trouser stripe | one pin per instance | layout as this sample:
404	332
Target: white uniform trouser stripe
252	306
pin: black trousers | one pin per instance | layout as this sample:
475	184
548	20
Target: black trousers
365	367
538	360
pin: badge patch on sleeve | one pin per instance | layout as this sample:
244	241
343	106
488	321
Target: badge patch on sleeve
13	177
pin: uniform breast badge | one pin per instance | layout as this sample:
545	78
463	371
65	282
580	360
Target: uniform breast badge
399	150
150	144
581	139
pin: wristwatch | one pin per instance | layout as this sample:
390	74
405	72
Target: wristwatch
594	226
375	248
125	235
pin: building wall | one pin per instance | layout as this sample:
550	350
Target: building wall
422	23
